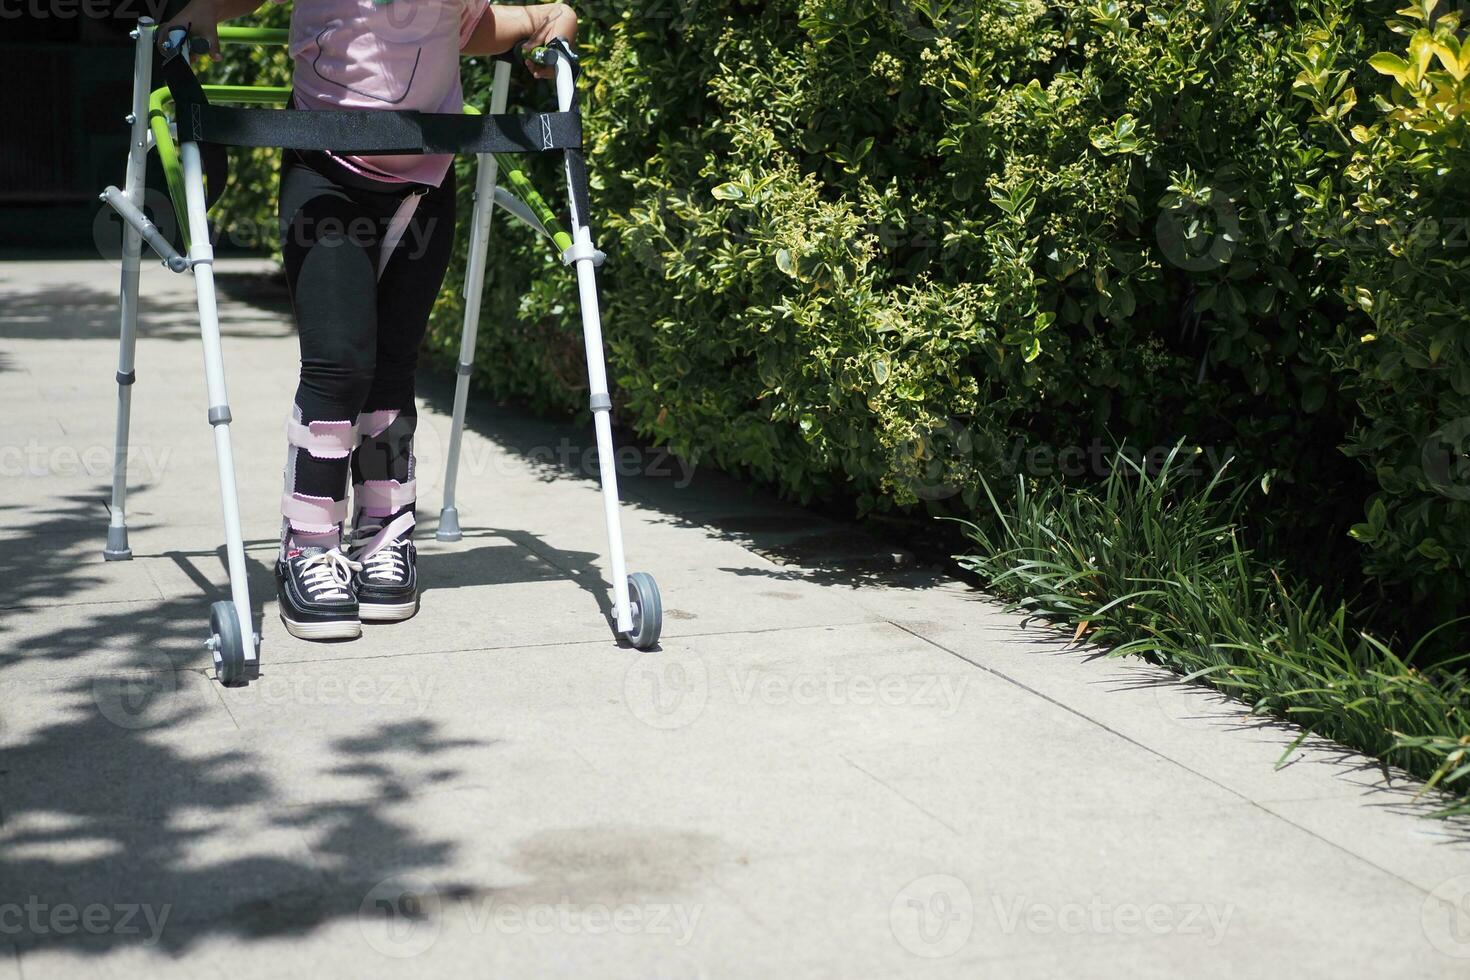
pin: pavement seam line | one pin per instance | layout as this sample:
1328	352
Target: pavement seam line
1172	761
218	690
477	649
573	643
903	796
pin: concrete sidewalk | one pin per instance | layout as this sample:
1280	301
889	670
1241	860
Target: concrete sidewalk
834	767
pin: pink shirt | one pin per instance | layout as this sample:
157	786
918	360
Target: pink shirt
395	54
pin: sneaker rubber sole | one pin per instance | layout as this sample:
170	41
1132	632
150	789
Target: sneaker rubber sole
339	629
386	612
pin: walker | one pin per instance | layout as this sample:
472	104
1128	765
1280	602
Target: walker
180	118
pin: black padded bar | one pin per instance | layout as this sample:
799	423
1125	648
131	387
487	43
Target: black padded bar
380	131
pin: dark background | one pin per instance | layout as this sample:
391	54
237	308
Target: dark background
65	86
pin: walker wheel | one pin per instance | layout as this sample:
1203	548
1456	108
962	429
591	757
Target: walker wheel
227	643
648	611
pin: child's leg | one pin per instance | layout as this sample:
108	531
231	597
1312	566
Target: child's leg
384	488
329	244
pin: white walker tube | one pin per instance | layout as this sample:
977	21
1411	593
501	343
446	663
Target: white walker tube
116	548
583	253
201	257
602	422
474	285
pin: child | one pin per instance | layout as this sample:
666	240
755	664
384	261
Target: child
366	240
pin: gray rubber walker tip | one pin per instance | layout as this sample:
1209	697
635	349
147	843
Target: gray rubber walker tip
648	610
227	643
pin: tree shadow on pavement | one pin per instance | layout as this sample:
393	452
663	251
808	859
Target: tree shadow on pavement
806	545
70	311
129	792
126	775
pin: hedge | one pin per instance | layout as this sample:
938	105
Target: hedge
872	250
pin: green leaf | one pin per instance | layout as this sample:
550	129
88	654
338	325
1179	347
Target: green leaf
1388	63
1313	397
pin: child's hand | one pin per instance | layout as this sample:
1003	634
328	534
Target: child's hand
548	22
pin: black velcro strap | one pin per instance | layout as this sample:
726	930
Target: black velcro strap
363	131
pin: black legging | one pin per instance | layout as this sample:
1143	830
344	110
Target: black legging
360	333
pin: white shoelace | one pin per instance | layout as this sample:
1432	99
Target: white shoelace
388	563
328	575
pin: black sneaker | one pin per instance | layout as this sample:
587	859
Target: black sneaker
314	588
387	584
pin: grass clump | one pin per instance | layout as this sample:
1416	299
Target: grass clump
1154	561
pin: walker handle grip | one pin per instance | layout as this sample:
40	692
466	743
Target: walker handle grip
554	49
176	38
545	54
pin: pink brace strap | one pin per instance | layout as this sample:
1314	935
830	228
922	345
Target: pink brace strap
379	498
397	225
373	424
324	440
398	527
314	515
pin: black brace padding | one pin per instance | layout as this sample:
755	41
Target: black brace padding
362	132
